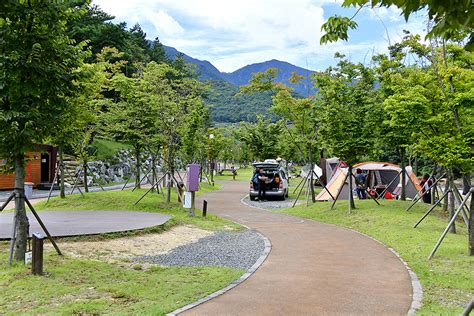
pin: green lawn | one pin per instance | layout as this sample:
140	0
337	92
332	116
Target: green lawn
85	286
153	202
447	279
243	174
81	287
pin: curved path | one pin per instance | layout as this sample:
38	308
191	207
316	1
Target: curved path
313	268
75	223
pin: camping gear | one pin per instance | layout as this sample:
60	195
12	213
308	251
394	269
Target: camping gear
381	176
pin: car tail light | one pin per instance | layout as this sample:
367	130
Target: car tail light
251	185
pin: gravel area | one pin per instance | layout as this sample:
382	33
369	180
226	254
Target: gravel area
229	249
270	204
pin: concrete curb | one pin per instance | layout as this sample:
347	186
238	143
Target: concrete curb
417	295
245	276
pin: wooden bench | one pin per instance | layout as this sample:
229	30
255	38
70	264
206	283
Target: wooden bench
231	170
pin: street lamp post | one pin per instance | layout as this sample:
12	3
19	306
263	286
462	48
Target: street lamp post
211	167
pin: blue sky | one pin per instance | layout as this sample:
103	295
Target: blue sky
232	34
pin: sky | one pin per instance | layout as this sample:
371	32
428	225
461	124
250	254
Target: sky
234	33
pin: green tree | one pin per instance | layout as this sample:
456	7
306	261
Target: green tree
261	138
448	18
403	106
347	100
39	68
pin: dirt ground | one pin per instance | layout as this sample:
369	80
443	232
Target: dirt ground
124	249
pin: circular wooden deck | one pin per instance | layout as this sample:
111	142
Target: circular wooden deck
78	223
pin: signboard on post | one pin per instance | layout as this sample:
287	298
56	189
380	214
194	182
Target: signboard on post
187	200
192	183
192	180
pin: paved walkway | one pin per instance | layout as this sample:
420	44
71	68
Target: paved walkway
75	223
313	268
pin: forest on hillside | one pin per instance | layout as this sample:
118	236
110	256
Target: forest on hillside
228	106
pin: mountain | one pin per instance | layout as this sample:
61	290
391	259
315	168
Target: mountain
225	104
243	75
208	71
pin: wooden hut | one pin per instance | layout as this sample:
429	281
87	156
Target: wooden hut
40	168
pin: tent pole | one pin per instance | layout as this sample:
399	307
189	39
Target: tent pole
301	189
302	179
367	193
324	186
391	182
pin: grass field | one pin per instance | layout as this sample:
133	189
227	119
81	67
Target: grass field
90	287
243	174
447	279
84	286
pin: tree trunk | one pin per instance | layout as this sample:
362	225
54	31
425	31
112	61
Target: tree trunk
84	168
466	182
451	201
170	172
62	194
311	166
403	195
446	198
351	193
200	170
471	224
23	227
153	172
137	166
415	165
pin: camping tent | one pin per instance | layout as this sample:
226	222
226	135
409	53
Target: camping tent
306	169
379	176
329	166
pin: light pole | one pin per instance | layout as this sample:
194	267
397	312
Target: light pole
211	166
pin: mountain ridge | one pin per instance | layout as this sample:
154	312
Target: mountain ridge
241	76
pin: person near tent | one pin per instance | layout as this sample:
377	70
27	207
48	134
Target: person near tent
361	178
262	184
426	183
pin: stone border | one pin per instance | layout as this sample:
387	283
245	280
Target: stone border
417	294
245	276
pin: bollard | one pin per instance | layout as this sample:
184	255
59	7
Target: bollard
37	255
204	208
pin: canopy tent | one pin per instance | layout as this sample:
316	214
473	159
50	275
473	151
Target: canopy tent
380	175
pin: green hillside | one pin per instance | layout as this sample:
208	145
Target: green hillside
227	107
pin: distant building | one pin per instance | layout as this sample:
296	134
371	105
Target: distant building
40	168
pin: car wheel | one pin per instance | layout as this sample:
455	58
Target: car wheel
286	194
252	198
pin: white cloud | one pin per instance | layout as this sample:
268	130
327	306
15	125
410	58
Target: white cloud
232	34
